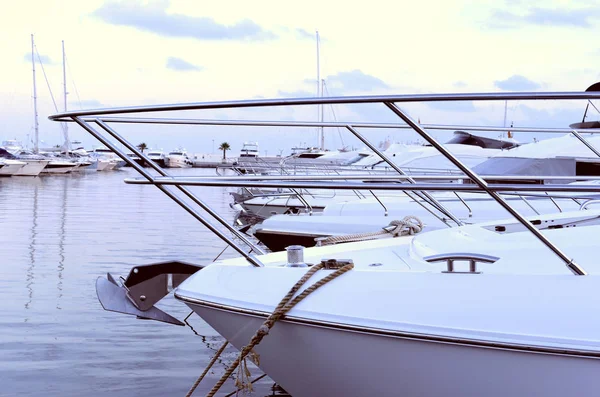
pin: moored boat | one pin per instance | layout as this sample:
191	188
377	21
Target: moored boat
178	158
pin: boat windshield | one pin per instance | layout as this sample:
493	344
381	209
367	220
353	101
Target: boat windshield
176	154
464	138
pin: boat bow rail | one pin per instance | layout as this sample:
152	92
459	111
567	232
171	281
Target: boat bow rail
96	122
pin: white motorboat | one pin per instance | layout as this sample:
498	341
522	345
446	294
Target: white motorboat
104	164
560	157
249	151
56	164
106	159
12	145
59	166
158	157
178	158
34	164
372	215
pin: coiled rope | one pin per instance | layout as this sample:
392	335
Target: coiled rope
408	226
285	305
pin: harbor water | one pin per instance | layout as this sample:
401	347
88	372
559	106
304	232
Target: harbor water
59	234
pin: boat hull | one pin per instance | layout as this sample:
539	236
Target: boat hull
103	165
32	168
178	163
266	210
311	359
10	169
58	169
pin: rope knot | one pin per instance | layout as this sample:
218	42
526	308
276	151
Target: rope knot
408	226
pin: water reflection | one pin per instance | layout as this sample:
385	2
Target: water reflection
32	247
61	233
61	241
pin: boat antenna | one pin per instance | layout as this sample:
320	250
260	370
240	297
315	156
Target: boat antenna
505	111
587	106
35	114
322	116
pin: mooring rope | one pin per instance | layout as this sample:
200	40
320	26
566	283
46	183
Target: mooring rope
212	362
408	226
287	303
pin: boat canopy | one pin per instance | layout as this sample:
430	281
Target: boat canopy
528	166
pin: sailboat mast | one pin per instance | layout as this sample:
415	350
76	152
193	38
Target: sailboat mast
322	116
65	126
35	113
319	93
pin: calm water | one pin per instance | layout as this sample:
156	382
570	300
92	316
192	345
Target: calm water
59	233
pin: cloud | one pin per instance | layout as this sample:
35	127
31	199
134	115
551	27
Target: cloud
517	83
355	81
525	116
175	63
580	18
304	34
44	58
155	19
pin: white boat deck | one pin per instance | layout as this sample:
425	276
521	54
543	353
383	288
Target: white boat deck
502	304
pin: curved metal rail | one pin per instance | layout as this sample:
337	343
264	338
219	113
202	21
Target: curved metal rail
103	116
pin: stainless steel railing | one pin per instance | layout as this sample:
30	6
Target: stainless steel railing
103	116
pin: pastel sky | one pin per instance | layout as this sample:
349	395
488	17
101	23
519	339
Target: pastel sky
146	52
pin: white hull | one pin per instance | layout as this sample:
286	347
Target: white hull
58	169
104	165
10	168
84	166
32	168
268	210
177	163
311	360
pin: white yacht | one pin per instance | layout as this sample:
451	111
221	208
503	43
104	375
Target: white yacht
12	145
372	214
34	164
158	156
57	165
249	151
106	159
178	158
